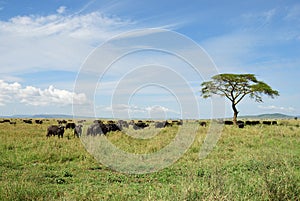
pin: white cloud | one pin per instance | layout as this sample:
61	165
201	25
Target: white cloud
121	108
158	108
268	15
61	9
30	95
276	108
135	108
293	13
261	18
39	26
54	41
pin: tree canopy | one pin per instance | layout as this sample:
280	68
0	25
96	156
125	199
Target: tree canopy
235	87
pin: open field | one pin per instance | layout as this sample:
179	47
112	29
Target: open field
255	163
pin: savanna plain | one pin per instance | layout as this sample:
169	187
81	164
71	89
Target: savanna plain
260	162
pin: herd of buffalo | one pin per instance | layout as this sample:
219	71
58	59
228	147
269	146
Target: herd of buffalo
99	127
242	124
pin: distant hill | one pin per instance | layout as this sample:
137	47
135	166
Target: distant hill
268	116
45	116
66	116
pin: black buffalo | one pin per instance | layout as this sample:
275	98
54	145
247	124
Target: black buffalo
168	124
110	122
267	122
241	124
97	128
123	124
78	130
203	123
37	121
274	122
131	122
140	125
163	124
61	121
112	127
252	123
159	124
177	122
55	130
228	122
70	125
27	121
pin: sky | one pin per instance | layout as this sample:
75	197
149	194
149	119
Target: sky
145	59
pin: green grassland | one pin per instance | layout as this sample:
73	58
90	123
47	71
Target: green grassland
254	163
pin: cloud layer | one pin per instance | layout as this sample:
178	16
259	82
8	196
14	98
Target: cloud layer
277	108
54	41
29	95
134	111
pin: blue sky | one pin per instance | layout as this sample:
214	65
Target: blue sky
44	44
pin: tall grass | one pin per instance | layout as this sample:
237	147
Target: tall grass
254	163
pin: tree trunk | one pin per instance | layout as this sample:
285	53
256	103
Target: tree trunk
235	114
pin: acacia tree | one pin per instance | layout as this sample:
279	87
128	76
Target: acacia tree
235	87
